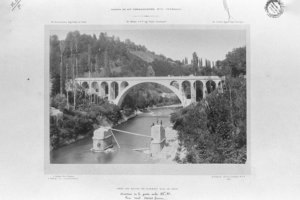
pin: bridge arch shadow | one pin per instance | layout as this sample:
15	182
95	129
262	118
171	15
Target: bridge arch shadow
85	85
104	89
123	85
118	101
175	84
114	90
198	87
186	86
210	86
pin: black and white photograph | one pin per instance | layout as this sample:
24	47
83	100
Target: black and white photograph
148	96
149	100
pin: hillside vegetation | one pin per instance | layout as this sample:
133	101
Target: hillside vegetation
214	130
146	56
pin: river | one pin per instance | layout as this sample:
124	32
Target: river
80	152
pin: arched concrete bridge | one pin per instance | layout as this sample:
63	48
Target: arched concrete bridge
116	88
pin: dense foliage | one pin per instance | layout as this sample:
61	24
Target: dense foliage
214	130
68	127
74	123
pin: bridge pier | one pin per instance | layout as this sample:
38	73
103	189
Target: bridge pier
204	89
193	92
102	139
158	139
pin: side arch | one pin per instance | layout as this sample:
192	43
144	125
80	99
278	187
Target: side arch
95	87
85	84
118	101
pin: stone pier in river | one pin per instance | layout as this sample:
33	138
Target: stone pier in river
102	139
158	139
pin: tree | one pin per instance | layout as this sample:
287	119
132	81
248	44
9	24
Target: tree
150	71
54	55
76	35
200	63
218	64
195	62
62	49
186	61
55	84
106	65
236	61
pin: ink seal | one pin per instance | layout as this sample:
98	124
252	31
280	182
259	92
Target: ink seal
274	8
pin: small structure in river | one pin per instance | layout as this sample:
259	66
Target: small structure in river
102	139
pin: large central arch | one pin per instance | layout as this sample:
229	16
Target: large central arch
118	101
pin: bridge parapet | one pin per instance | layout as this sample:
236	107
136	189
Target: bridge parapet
169	78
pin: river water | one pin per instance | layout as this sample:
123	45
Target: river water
80	152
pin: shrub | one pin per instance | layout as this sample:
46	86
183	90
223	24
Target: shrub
59	102
176	158
114	115
128	111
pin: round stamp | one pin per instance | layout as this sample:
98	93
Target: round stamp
274	8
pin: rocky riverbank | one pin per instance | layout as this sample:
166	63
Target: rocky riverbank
168	154
126	118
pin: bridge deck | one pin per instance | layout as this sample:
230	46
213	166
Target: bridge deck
150	78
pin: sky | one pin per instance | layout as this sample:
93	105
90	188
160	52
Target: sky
178	44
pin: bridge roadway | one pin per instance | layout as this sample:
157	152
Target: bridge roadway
116	88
